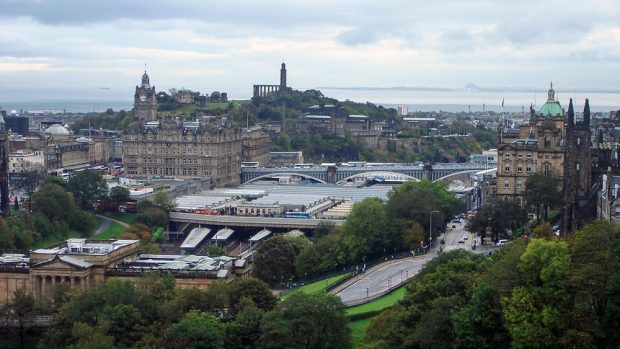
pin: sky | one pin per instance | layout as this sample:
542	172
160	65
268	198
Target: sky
65	49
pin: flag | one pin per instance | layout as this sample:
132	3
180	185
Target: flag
502	102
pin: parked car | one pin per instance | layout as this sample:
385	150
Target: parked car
501	242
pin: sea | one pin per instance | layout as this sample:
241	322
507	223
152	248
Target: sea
416	100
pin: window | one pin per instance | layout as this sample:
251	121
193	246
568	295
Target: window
519	201
519	184
578	141
506	184
528	167
507	168
519	167
547	169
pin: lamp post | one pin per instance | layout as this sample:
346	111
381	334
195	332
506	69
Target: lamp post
430	228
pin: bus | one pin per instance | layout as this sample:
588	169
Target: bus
293	214
249	165
206	211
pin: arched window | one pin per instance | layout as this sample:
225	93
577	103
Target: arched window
547	169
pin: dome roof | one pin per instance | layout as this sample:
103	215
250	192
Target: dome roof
552	108
57	130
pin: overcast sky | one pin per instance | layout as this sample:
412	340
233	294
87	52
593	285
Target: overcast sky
70	49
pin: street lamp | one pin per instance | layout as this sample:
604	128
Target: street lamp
430	228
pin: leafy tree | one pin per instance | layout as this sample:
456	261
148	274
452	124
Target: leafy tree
543	231
536	312
22	310
163	200
480	323
215	250
153	217
196	330
119	195
54	202
89	337
87	186
306	321
253	289
499	217
7	237
244	330
137	232
275	260
365	230
542	192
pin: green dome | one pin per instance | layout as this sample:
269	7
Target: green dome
552	107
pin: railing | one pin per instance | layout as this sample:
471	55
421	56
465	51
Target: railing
11	268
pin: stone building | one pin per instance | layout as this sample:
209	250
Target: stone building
170	147
145	101
554	143
81	263
185	97
24	160
256	147
536	147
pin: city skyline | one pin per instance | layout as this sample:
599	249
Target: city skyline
53	50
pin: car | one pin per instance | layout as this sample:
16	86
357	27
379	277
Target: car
461	241
465	237
453	226
501	242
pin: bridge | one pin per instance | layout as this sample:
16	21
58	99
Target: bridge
250	222
343	174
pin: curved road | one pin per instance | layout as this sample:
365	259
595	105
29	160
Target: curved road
105	223
381	278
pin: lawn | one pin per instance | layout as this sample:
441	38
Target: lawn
379	303
358	330
53	240
129	218
114	231
319	286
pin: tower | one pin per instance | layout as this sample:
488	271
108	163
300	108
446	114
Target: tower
4	168
145	101
577	179
282	94
283	79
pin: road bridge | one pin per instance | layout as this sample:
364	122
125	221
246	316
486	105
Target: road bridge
341	174
249	222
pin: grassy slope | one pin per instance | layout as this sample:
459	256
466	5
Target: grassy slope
114	230
319	286
128	218
379	303
53	240
358	330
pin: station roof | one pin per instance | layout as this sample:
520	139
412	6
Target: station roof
222	234
260	235
195	237
199	201
352	194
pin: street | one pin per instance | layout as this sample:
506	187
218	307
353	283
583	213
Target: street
383	277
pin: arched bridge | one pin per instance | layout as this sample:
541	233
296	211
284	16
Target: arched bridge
341	174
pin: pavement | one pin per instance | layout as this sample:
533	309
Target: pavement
389	275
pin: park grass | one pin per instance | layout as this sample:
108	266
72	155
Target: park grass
53	240
379	303
318	286
358	330
129	218
114	231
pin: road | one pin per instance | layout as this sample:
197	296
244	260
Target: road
383	277
105	223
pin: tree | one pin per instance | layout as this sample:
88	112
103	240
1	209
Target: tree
31	180
119	194
87	186
244	331
542	192
275	260
137	231
499	217
536	313
54	202
365	230
7	237
22	310
306	321
253	289
153	217
163	200
197	330
480	323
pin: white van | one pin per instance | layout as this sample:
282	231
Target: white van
501	242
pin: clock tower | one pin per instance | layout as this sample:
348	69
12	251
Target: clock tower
145	101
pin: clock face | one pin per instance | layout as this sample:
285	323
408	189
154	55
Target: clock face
143	98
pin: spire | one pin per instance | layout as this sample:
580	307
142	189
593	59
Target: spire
571	114
145	80
551	93
586	113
